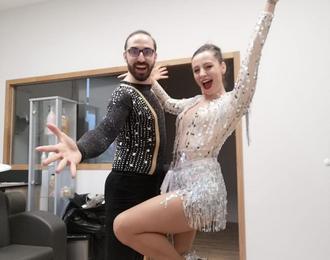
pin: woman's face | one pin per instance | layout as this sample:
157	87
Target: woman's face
208	73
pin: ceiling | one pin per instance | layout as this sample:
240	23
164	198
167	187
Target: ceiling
10	4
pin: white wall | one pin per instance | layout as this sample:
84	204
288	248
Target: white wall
286	184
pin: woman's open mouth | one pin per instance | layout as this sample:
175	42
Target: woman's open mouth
207	84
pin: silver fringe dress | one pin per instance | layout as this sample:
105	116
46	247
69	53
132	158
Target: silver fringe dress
195	174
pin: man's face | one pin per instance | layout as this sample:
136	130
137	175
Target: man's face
140	56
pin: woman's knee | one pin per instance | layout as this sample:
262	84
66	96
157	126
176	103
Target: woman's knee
122	228
182	249
183	241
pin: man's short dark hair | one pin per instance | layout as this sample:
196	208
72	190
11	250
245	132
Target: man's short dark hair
140	32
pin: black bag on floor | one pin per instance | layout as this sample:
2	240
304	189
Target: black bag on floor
87	221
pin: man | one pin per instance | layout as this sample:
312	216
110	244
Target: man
136	120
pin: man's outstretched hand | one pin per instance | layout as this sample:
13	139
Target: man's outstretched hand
65	151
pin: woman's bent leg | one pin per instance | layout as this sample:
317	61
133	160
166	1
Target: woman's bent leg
183	241
144	226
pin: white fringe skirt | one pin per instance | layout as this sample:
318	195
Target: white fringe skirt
201	187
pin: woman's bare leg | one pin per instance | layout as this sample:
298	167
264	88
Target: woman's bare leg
183	241
144	226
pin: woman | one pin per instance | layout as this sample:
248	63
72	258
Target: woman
193	192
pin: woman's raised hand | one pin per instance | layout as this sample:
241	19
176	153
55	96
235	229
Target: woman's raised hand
270	6
273	2
159	72
65	151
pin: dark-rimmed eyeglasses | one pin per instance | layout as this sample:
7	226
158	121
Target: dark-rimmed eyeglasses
135	52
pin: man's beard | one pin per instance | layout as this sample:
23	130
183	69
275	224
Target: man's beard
140	76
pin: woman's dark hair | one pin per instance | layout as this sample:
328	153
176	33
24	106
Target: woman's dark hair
210	47
216	52
140	32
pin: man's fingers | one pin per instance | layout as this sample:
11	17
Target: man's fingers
55	130
51	158
73	169
61	165
47	148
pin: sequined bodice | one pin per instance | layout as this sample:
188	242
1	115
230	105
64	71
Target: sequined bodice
202	133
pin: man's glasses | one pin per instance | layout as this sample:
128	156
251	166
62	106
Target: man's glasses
135	52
